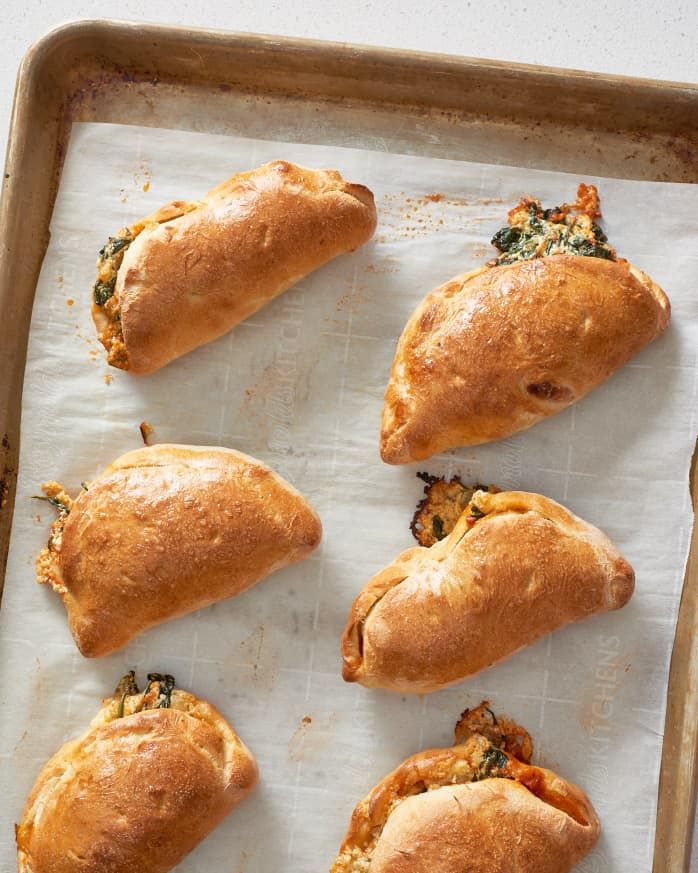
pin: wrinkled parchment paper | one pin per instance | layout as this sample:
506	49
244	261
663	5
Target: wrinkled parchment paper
299	385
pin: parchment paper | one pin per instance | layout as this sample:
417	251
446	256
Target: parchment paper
299	385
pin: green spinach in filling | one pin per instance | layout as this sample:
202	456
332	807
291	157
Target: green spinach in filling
534	232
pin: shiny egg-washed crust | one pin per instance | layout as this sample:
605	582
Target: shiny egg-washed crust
494	585
494	351
134	794
166	530
186	280
428	817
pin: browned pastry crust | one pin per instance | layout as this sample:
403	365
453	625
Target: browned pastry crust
473	808
194	270
494	351
515	567
168	529
135	793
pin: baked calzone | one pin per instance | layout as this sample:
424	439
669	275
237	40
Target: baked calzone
497	349
165	530
189	272
478	806
155	773
516	566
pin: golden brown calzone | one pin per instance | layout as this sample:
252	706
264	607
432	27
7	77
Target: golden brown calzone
497	349
515	567
165	530
478	806
151	777
191	271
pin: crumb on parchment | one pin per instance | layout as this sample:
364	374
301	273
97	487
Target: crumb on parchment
147	431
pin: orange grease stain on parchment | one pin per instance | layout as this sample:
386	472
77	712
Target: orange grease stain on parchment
354	296
311	736
142	177
258	656
404	217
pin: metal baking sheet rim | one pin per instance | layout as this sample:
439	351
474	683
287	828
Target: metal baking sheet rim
39	126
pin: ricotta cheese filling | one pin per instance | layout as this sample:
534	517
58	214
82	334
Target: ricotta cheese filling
62	502
106	298
534	232
441	507
157	695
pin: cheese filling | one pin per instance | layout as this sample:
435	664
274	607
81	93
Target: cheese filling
157	695
441	507
534	232
62	502
106	298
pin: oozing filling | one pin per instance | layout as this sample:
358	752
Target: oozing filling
441	507
488	748
62	502
157	695
106	297
534	232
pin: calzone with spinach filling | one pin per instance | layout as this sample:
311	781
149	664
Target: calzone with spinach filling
166	530
153	775
189	272
496	350
515	567
478	806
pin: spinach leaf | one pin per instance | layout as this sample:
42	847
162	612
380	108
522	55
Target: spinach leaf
492	759
103	291
61	507
126	687
113	245
506	238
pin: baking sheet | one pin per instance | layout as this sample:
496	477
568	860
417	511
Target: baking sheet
299	385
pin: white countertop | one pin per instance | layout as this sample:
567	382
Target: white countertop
634	37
